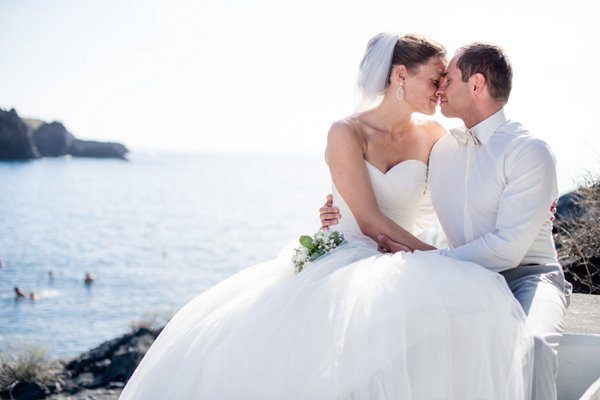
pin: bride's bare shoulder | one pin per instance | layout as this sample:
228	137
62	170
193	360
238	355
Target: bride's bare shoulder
433	129
345	130
344	140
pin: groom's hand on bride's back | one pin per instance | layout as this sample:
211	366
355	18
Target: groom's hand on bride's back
329	214
387	245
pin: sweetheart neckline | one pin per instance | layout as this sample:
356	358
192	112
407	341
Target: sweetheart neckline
395	165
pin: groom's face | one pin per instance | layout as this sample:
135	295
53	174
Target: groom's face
454	94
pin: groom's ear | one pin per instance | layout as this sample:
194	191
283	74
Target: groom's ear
477	82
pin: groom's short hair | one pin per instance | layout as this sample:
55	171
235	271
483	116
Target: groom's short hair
492	62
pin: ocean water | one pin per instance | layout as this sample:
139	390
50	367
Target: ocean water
154	231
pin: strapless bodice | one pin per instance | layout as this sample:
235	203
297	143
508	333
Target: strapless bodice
399	193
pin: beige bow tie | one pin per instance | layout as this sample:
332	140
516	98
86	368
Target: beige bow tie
462	136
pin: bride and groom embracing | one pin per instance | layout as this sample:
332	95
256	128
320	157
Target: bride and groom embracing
480	320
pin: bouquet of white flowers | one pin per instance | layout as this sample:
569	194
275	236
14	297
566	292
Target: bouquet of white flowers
314	247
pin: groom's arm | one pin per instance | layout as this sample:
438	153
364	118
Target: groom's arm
330	216
522	210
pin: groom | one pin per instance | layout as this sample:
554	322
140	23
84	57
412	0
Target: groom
491	186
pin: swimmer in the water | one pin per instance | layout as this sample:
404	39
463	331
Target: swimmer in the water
89	278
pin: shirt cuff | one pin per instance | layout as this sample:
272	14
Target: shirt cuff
445	252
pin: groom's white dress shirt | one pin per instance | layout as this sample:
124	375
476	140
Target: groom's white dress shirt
492	188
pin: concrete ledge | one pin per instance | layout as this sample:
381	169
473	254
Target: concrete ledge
579	350
578	365
583	314
593	393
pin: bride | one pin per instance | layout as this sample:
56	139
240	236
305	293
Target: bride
356	323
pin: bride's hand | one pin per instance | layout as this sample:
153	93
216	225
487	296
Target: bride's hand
329	215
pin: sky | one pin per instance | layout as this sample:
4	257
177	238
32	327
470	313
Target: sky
272	75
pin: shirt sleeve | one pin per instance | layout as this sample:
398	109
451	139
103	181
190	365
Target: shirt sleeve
531	187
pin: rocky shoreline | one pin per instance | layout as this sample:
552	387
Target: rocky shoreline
100	373
28	139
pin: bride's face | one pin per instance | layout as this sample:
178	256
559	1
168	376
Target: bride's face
420	88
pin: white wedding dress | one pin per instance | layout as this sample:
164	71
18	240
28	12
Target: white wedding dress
355	324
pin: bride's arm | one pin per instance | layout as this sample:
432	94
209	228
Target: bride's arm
346	162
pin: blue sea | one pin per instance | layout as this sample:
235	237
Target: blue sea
154	231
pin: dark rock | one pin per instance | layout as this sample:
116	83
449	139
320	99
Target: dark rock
32	123
22	139
15	138
82	380
90	394
53	139
27	391
568	207
100	373
126	359
112	361
85	148
55	387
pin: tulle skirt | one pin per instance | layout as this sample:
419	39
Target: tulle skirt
355	324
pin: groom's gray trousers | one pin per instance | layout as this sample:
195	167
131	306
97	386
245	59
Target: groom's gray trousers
544	295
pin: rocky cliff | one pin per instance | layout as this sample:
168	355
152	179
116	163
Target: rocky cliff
16	142
23	139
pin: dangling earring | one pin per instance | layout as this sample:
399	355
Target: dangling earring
400	93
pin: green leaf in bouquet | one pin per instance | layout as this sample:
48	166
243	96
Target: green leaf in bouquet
307	242
316	255
335	235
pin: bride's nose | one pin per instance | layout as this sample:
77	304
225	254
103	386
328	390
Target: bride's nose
441	87
440	90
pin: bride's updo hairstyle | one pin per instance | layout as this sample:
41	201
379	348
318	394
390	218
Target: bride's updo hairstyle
383	52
